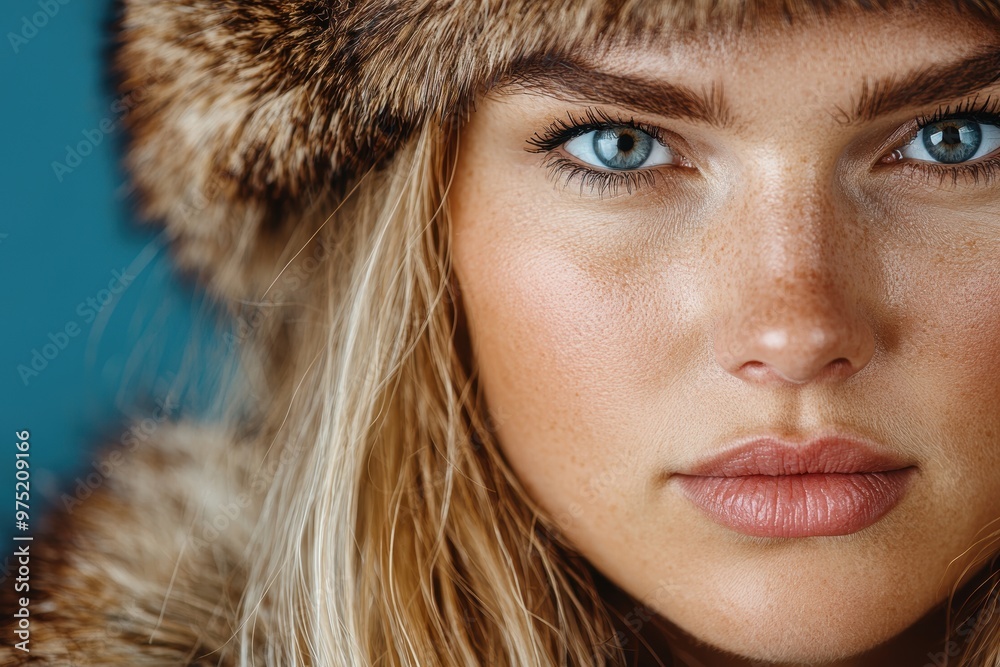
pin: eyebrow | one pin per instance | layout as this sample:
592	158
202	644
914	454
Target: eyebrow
925	86
573	82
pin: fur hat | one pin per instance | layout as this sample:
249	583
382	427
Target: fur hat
242	114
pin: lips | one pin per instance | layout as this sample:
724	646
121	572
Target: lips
769	487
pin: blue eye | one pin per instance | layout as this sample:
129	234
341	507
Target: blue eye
953	141
619	148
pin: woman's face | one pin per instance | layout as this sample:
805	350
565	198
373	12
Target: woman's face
792	233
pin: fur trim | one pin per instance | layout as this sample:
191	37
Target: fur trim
242	115
146	571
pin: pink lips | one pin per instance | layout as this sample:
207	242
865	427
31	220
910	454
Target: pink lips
770	488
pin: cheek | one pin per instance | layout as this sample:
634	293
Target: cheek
571	346
552	350
951	343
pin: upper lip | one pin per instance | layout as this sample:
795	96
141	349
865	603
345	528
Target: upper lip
773	455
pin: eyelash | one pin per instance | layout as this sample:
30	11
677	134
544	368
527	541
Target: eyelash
560	131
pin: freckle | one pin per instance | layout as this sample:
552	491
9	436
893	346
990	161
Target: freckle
721	252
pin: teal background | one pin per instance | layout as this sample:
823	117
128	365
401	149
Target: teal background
62	237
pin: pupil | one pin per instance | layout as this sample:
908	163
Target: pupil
625	143
951	136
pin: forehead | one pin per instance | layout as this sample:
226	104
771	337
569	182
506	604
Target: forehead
857	66
845	46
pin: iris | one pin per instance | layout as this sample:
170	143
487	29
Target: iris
622	147
953	140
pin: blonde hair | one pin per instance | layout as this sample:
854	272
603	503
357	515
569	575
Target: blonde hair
391	531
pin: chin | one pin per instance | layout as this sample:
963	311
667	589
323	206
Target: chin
810	619
792	646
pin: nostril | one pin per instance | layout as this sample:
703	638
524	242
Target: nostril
841	367
754	370
760	372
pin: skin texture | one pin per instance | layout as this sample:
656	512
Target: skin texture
623	338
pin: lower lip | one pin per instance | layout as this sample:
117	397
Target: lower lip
807	505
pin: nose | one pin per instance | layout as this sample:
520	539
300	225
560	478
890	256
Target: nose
792	335
789	314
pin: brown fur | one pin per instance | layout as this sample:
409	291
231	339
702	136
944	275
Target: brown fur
135	574
248	121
